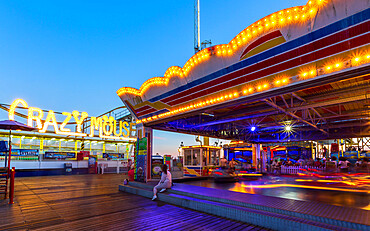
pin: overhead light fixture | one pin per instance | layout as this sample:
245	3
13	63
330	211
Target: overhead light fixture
253	128
288	128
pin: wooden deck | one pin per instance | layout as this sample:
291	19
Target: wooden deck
93	202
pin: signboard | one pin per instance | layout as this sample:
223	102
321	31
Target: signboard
107	127
21	152
3	146
92	163
85	153
157	162
59	155
140	159
113	156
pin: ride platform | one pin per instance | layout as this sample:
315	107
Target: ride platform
266	211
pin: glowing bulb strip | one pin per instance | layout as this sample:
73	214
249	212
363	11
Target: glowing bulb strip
267	24
355	60
117	138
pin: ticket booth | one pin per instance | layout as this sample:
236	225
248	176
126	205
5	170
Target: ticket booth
200	160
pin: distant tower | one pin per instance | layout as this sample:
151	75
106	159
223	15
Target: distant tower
197	44
196	26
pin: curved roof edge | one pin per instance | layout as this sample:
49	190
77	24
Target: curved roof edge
263	26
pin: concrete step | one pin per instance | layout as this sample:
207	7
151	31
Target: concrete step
262	218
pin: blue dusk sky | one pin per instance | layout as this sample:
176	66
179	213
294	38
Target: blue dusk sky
74	55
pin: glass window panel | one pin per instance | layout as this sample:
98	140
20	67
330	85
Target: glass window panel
187	156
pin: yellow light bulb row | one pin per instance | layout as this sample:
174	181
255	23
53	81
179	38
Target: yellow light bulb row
355	60
156	81
273	21
128	90
220	98
262	86
276	20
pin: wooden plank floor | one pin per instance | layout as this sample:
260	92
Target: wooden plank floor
93	202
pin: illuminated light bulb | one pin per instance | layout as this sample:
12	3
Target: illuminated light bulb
273	22
265	86
285	80
357	59
288	128
337	65
230	95
235	94
303	16
211	101
304	74
259	87
230	51
296	17
253	128
226	96
260	28
287	11
310	2
289	18
281	20
368	56
250	89
245	92
244	38
254	31
223	51
249	35
277	82
267	25
222	98
328	67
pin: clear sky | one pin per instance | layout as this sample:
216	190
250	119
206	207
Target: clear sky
74	55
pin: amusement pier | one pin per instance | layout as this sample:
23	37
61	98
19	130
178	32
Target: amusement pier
280	122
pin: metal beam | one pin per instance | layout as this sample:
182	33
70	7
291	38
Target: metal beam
331	102
293	115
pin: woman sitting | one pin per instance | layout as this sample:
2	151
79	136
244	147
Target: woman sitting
164	183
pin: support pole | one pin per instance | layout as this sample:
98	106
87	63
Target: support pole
10	150
11	187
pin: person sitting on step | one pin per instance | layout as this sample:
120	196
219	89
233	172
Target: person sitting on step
164	183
